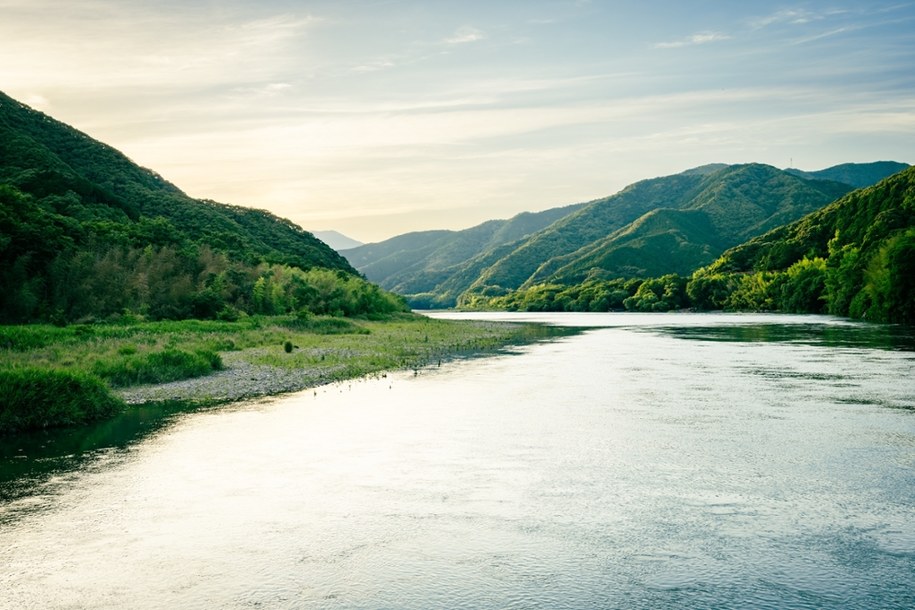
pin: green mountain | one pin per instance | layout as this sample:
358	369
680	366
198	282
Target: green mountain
859	175
724	208
673	224
854	257
433	267
85	232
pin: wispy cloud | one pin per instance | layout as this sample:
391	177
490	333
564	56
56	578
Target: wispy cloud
465	34
696	39
794	16
822	35
375	65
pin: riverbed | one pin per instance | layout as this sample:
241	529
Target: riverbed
651	461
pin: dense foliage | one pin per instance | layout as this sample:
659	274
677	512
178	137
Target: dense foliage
87	234
855	257
53	267
41	398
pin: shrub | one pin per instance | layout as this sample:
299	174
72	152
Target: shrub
35	399
158	367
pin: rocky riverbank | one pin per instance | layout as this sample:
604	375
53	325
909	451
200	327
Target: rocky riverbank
240	379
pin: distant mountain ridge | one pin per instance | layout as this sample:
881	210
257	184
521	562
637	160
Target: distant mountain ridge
859	175
724	208
435	267
336	240
671	224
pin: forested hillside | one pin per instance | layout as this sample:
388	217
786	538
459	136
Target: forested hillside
726	208
85	233
669	225
432	268
859	175
854	257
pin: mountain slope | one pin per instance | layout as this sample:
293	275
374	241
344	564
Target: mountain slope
671	224
85	234
856	256
861	219
437	262
727	207
336	240
45	158
858	175
594	221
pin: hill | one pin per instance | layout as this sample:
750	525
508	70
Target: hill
726	207
858	175
85	232
855	257
336	240
672	224
433	267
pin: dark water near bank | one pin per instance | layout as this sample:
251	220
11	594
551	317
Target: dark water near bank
664	461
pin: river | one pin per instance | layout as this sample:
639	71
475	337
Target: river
651	461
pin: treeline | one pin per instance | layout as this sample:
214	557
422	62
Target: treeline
878	288
55	267
167	283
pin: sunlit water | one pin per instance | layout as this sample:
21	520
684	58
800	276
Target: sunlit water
676	461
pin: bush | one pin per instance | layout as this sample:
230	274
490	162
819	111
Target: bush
158	367
324	325
35	399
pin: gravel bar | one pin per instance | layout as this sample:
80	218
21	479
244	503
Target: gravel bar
237	381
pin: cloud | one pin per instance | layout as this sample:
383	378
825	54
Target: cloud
794	16
190	47
695	39
465	34
375	66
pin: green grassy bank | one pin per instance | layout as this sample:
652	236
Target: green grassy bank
58	376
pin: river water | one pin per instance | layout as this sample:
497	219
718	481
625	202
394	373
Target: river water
654	461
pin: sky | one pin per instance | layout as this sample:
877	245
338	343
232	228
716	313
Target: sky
376	118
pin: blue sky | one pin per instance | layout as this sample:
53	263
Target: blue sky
378	118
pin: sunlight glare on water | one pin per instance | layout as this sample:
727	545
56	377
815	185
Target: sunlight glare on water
668	464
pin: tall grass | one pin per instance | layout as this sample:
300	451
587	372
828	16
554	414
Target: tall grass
157	367
33	399
322	348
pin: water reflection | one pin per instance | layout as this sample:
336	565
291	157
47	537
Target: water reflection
28	459
619	468
863	335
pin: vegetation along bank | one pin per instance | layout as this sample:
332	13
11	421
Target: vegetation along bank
55	376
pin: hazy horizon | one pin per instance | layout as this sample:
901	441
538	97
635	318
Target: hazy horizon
379	118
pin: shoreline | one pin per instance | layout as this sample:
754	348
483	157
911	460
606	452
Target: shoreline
242	380
252	358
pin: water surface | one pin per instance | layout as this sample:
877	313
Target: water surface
660	461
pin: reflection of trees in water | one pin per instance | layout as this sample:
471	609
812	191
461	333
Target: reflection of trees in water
898	338
28	460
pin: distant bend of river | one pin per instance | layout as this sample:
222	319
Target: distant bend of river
651	461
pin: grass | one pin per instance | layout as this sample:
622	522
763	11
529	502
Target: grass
121	355
156	367
36	398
